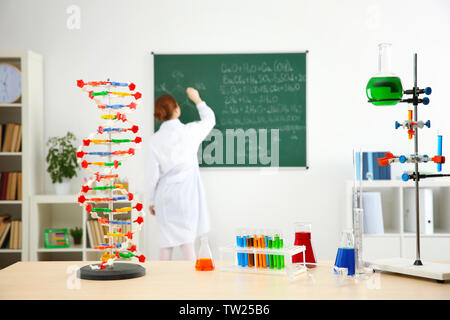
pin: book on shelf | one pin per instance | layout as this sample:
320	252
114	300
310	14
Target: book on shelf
3	227
18	143
19	185
3	184
96	232
101	234
90	240
17	235
93	233
4	237
12	186
8	186
370	167
1	136
7	137
12	238
19	242
15	134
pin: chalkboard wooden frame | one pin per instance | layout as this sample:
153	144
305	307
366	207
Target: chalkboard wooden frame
267	169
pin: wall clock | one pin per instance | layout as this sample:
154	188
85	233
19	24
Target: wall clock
10	83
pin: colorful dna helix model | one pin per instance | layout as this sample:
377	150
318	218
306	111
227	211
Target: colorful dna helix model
103	188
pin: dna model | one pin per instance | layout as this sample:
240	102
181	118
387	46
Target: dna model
103	188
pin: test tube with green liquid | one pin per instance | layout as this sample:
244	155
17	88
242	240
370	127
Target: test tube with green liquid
271	260
281	256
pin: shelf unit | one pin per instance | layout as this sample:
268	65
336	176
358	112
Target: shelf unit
396	242
61	211
28	112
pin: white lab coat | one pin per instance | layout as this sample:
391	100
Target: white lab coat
172	179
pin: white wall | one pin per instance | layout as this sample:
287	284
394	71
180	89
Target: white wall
115	41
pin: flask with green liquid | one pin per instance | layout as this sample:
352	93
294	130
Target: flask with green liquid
384	84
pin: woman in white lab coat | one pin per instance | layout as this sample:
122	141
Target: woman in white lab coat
174	190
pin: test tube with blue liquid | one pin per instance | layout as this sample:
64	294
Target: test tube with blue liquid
439	150
241	242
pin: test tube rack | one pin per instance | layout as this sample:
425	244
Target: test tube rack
262	258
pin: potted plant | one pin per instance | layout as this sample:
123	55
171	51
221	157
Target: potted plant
62	162
76	234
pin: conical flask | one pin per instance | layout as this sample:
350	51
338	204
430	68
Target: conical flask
345	257
204	260
384	85
303	238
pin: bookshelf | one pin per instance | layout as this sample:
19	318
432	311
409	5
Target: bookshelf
61	211
396	241
28	112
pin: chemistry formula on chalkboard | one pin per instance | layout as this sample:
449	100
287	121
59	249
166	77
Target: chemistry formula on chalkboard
259	101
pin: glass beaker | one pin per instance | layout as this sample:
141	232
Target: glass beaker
303	238
345	257
204	261
384	84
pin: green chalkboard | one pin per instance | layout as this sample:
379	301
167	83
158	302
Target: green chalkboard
259	101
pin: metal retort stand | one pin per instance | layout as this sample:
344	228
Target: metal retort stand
418	268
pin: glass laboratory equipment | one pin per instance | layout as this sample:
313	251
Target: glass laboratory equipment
204	261
384	85
303	238
345	257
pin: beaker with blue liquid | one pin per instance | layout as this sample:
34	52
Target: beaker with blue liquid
345	258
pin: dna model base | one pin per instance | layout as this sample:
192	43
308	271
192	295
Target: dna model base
429	270
118	271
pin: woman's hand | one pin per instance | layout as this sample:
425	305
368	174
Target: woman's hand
152	210
193	95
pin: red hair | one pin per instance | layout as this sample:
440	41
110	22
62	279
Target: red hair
165	106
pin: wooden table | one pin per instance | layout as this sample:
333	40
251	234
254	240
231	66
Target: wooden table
171	280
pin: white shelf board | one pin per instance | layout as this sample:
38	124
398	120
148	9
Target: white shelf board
55	198
10	153
10	201
382	235
431	182
70	249
408	235
434	235
10	105
10	250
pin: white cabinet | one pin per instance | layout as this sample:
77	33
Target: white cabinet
28	112
398	240
379	247
63	211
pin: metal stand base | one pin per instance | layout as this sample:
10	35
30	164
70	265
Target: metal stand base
436	271
119	271
418	263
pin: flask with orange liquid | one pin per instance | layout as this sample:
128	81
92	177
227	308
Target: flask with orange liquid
204	261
